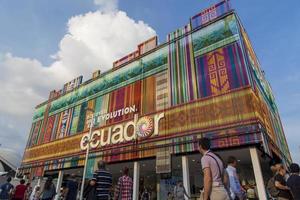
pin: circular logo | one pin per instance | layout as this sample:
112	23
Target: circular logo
144	127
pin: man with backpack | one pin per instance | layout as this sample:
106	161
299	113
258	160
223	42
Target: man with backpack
6	190
215	176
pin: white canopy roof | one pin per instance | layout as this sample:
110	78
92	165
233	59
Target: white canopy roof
10	158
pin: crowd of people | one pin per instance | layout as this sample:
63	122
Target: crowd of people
220	182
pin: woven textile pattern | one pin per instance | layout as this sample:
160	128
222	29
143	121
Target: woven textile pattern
148	95
220	71
101	106
210	14
49	127
181	67
124	97
89	114
162	91
35	133
75	118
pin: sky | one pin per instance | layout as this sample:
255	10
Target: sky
44	44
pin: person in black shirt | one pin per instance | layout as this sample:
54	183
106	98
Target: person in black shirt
294	181
72	188
90	190
280	184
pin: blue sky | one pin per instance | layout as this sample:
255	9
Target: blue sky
34	29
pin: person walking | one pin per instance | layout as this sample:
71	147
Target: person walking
19	192
293	181
280	184
48	192
179	191
6	190
89	192
28	191
72	188
35	194
103	181
124	187
236	190
215	176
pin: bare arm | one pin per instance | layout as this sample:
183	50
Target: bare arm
280	186
207	183
226	179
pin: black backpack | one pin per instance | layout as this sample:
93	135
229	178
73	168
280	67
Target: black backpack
273	191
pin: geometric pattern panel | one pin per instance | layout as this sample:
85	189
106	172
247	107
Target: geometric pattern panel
220	71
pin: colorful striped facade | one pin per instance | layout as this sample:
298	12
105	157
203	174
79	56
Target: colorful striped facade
206	80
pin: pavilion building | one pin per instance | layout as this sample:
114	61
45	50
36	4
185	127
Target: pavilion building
150	109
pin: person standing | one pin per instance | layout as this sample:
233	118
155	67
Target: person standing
294	181
6	189
179	191
145	194
19	193
72	188
236	190
124	187
89	192
28	191
103	181
280	184
215	176
48	192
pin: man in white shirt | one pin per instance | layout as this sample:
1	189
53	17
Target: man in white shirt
236	190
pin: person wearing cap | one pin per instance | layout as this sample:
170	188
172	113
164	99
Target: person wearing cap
294	181
103	180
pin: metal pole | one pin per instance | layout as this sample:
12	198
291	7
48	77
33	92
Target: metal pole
136	179
58	185
186	175
86	158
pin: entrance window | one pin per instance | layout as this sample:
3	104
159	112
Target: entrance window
196	174
167	182
117	171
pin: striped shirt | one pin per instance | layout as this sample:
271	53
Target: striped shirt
104	184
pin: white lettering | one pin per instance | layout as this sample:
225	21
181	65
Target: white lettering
131	123
118	133
94	143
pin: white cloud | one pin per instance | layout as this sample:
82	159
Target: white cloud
96	39
93	41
